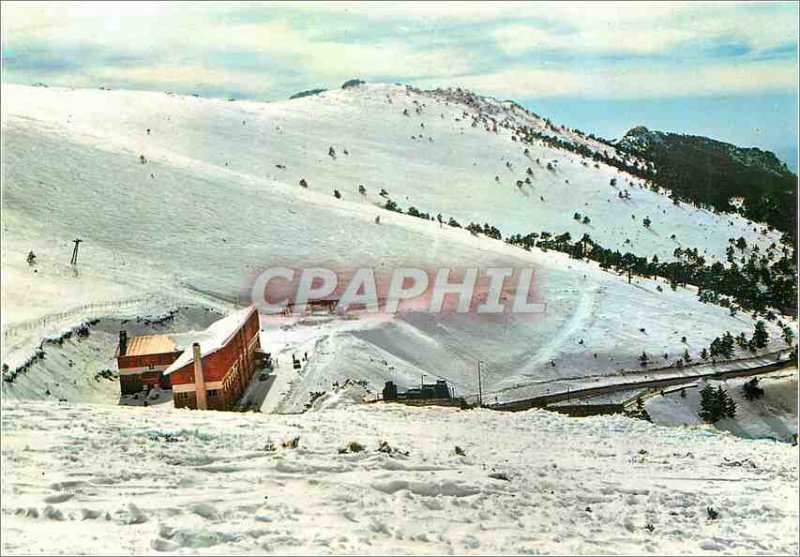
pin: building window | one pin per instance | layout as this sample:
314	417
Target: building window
212	393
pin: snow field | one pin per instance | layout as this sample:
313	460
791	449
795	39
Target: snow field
209	210
123	480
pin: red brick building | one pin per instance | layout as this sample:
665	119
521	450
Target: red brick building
142	361
214	372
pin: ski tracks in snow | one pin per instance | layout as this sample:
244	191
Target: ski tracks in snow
579	320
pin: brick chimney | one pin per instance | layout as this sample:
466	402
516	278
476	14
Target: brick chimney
123	343
199	380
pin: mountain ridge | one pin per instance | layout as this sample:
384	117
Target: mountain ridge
715	173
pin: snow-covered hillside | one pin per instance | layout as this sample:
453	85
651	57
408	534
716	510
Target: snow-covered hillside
182	200
773	416
112	480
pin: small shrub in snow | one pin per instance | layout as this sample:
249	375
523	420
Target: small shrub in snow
386	448
711	513
751	389
459	451
165	437
312	396
392	206
788	335
352	447
270	447
291	443
105	374
639	413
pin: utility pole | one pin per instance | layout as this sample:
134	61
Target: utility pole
480	388
74	260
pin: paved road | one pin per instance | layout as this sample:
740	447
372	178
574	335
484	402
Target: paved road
544	400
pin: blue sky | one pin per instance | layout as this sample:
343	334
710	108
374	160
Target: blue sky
726	70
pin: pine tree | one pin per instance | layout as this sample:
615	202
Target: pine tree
752	390
709	411
788	335
392	206
726	346
715	404
727	403
760	335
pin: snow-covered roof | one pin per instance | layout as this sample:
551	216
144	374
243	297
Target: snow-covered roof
149	344
217	335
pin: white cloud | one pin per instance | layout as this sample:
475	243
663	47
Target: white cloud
335	59
173	43
631	81
646	28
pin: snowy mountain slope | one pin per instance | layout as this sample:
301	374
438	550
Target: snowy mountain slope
774	416
453	174
729	178
102	479
82	367
208	209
